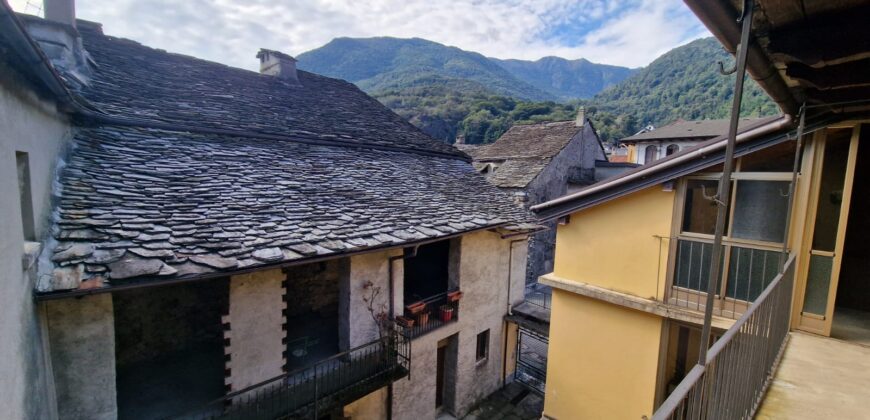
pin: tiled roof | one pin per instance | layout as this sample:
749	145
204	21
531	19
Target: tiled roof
133	80
144	202
680	129
139	203
542	140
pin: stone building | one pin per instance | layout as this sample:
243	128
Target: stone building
539	162
652	144
204	240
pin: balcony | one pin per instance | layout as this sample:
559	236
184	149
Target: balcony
316	389
429	314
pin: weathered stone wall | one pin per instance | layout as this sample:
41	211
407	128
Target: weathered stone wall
254	327
483	276
154	321
35	127
82	336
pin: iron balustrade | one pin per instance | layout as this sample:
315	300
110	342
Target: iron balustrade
437	311
316	389
740	365
746	271
539	295
531	367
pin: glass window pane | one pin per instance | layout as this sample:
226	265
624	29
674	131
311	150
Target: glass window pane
831	189
818	284
750	271
760	209
699	213
692	269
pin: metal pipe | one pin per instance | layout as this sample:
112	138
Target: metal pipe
724	195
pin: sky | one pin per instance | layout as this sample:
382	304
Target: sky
620	32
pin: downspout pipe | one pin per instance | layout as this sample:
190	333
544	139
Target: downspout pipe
391	279
509	307
723	197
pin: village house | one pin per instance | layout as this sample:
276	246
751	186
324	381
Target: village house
654	143
786	309
539	162
210	242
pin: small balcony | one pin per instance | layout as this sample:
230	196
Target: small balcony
317	389
426	315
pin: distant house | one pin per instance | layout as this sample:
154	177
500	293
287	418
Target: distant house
184	238
537	163
652	144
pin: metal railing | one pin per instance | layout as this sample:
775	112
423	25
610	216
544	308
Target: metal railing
746	271
741	363
532	360
539	295
436	312
314	390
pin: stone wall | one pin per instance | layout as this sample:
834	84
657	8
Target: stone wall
33	126
315	287
254	328
82	338
484	274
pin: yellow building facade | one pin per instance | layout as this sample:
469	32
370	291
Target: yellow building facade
631	254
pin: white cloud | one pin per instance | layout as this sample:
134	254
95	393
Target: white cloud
621	32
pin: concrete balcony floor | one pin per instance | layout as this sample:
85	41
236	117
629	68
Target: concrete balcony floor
819	378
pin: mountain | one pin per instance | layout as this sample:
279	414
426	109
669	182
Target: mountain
384	63
448	92
566	79
683	83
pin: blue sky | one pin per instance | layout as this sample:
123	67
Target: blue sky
621	32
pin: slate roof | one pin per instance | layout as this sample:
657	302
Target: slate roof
139	203
681	129
137	81
522	152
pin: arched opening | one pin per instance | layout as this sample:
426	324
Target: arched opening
672	149
650	155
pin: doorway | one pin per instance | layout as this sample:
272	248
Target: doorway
445	374
852	304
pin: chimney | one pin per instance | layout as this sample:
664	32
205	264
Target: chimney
580	121
275	63
60	11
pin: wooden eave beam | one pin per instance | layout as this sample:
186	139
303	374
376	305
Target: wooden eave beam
846	75
823	40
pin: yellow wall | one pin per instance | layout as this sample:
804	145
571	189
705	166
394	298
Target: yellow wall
612	245
602	362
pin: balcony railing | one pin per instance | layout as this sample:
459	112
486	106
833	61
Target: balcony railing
539	295
746	272
741	363
315	390
431	313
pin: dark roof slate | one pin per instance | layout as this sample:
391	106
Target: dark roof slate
542	140
160	204
133	80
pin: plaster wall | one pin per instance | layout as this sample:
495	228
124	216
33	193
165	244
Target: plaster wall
483	278
373	268
370	407
254	327
662	146
27	124
604	246
602	361
82	334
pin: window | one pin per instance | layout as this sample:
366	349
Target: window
651	153
25	199
482	345
754	227
672	149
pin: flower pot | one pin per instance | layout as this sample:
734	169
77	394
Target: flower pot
416	307
446	313
423	318
405	321
454	296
